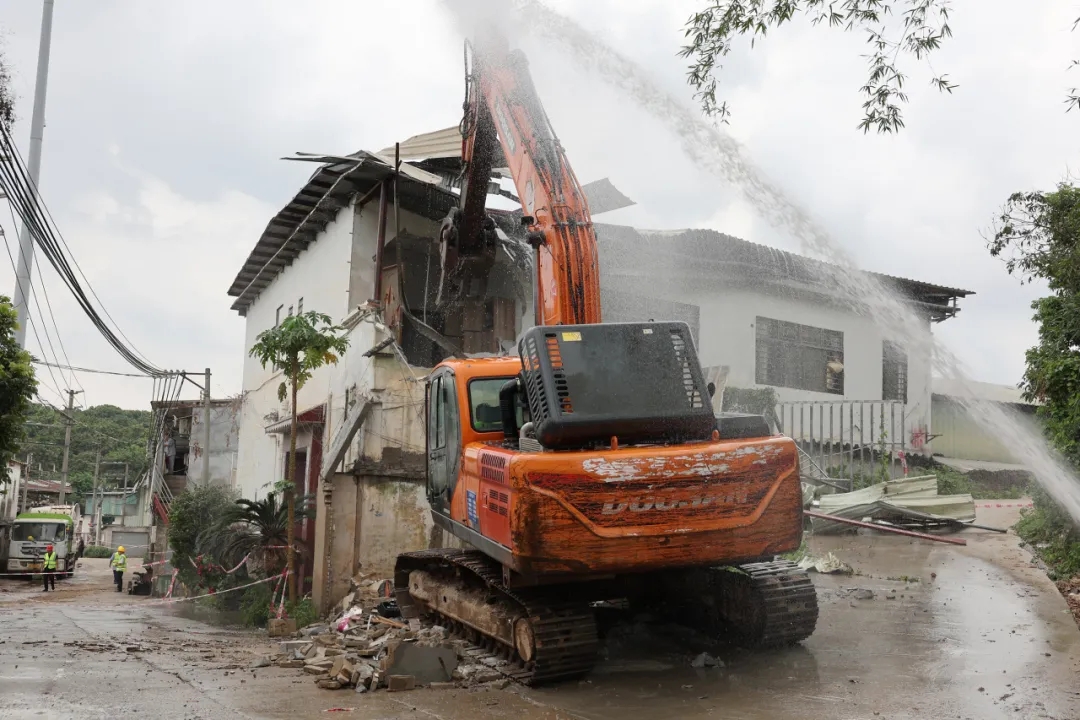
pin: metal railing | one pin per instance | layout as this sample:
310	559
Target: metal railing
842	439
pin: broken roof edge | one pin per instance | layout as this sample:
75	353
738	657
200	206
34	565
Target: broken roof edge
916	289
286	232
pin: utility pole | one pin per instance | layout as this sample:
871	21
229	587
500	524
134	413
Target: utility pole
206	429
26	480
37	131
67	441
124	497
97	502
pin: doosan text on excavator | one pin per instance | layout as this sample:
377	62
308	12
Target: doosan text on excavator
592	467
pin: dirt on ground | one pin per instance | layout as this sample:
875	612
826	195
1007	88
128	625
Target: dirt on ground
918	630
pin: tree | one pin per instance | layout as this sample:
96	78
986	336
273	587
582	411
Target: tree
259	528
299	345
17	386
121	435
191	514
894	28
1038	236
7	96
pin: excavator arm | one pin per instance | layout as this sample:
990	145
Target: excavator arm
503	109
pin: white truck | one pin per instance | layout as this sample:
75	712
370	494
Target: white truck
38	528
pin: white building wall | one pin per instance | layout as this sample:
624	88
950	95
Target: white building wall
319	275
11	492
727	336
224	441
334	276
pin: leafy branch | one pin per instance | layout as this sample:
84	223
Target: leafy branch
895	30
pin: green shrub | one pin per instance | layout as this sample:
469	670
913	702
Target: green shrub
192	514
1052	535
950	481
980	486
303	611
255	605
97	551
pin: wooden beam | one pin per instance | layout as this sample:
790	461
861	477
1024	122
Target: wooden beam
354	419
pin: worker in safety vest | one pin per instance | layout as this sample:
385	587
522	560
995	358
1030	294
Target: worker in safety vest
48	568
119	565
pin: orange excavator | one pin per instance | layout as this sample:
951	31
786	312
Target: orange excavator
592	468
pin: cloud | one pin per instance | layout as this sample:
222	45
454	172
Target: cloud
162	148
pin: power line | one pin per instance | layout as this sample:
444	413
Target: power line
75	422
56	327
34	325
37	307
92	370
24	197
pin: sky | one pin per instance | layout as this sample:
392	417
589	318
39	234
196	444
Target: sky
166	125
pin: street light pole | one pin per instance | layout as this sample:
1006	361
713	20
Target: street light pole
37	131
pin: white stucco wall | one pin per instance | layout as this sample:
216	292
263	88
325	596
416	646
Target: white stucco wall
333	276
10	493
319	275
224	442
727	336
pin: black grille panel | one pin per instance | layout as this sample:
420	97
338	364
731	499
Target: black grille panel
639	382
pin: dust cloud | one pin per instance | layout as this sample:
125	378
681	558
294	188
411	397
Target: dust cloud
718	153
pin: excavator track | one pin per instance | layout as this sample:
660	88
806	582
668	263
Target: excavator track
562	633
757	605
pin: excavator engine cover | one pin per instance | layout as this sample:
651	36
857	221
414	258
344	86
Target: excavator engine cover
637	382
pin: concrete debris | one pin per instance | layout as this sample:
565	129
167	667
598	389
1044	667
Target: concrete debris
828	564
426	663
260	663
475	673
280	627
705	660
290	645
367	650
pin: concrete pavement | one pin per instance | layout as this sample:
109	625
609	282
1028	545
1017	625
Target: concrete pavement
951	632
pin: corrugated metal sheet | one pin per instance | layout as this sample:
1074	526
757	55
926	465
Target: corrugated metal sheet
1009	394
429	146
913	499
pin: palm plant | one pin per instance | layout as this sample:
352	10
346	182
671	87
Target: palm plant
259	528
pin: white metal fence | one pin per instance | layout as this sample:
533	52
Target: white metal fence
842	439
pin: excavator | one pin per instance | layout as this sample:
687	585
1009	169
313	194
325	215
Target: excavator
592	468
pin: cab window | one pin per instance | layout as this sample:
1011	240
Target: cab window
484	411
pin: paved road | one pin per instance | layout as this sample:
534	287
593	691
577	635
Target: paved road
988	637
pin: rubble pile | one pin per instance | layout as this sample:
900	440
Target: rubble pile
367	650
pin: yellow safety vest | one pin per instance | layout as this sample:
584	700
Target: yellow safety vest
50	561
119	562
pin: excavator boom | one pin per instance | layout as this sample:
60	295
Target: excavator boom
504	109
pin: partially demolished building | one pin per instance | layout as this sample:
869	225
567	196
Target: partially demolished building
360	243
